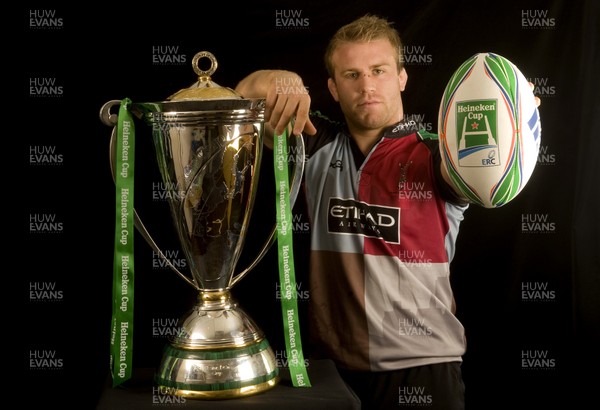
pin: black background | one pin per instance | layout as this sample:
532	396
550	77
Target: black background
104	52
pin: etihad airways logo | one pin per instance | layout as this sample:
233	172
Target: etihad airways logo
347	216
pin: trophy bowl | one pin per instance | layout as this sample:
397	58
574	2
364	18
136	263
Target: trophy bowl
208	143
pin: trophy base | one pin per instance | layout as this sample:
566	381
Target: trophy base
219	353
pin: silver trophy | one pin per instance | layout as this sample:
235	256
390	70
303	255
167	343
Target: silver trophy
208	142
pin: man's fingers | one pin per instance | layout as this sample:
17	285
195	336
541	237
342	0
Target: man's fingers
309	128
537	99
291	107
302	122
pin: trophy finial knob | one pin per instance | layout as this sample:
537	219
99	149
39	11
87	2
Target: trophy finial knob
196	65
205	88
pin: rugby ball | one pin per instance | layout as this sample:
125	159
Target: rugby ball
489	130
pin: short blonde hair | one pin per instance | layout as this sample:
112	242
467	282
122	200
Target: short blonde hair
364	29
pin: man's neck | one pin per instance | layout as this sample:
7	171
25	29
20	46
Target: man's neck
366	139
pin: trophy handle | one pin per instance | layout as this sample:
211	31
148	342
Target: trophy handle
111	120
298	172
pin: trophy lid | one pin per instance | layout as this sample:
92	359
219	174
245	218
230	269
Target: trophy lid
204	88
204	101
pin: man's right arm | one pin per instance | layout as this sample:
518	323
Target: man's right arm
286	99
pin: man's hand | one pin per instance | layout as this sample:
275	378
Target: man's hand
286	99
538	102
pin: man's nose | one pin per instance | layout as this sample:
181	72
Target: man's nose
367	85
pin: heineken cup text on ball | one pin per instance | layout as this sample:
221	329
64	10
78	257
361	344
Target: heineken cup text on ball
208	142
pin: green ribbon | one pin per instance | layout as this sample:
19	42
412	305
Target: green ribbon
121	340
287	275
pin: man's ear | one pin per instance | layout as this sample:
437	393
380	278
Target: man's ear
402	78
332	89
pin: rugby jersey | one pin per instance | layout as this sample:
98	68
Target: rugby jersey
383	229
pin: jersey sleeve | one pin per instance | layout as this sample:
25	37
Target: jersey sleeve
327	130
447	193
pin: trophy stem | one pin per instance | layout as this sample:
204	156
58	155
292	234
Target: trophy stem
219	353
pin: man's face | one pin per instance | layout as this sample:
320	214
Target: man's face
367	84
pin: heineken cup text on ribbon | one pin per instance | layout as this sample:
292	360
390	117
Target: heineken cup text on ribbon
287	276
123	266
